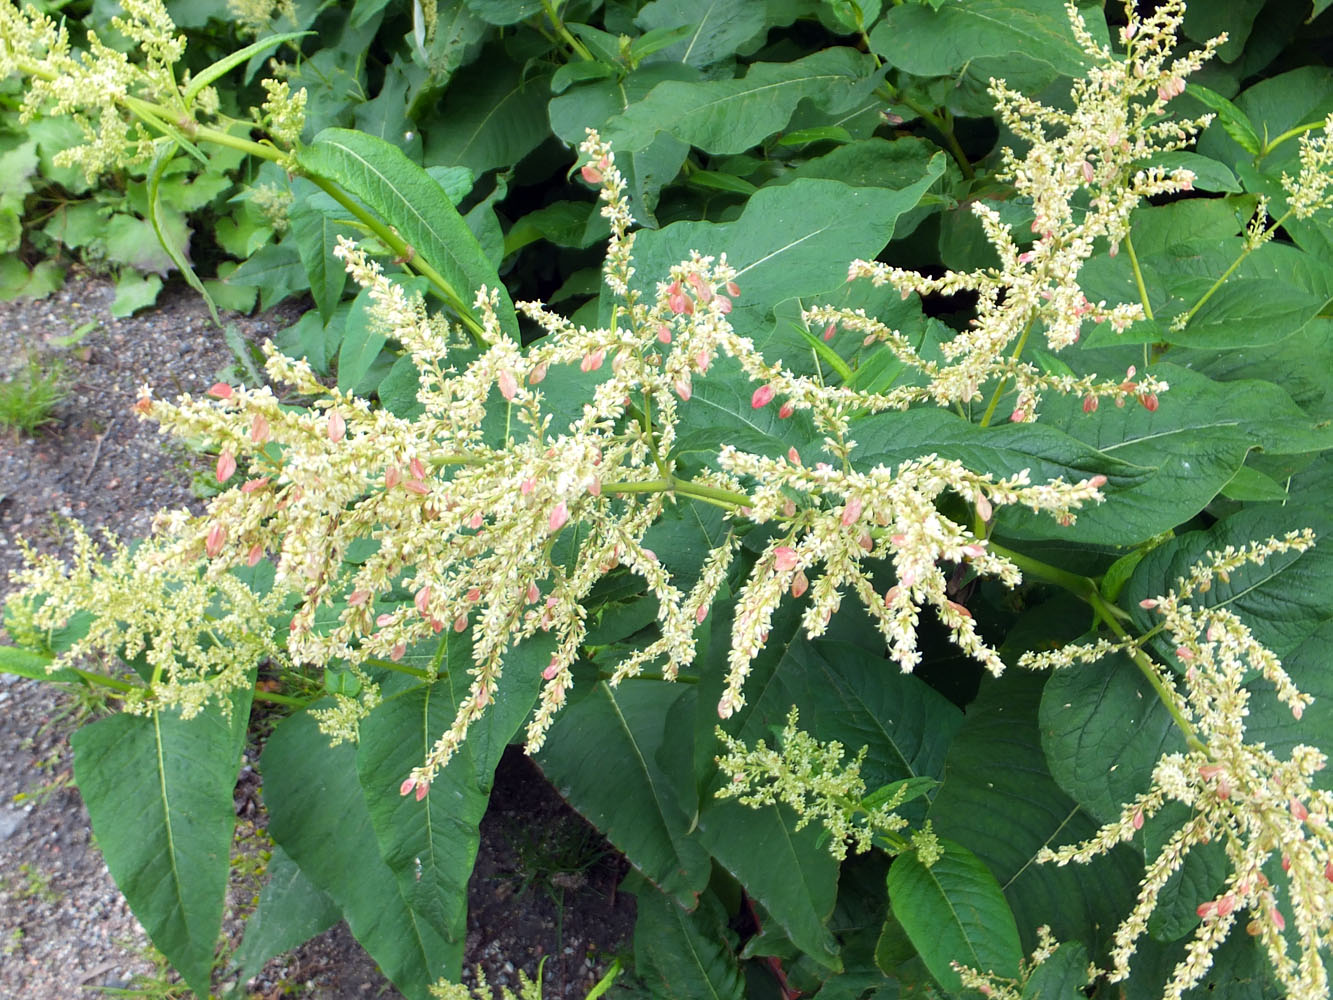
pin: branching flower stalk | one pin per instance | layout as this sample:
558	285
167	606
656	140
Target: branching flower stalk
1240	794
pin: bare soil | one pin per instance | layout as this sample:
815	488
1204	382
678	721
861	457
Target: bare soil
544	883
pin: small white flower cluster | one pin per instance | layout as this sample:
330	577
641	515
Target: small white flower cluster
1312	189
1239	794
994	987
1088	155
812	778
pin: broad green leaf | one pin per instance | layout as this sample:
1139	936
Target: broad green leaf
1209	175
316	235
159	793
275	269
291	911
430	845
730	116
941	42
407	198
1283	601
790	240
502	12
997	758
363	339
717	28
134	292
493	115
133	243
1099	713
615	781
954	911
14	660
788	871
318	815
1231	118
684	956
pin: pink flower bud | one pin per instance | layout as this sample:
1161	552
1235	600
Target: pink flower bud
1088	173
406	787
700	613
1138	820
475	521
258	429
384	620
1205	910
664	333
676	300
559	515
217	534
594	487
1148	603
830	330
422	789
417	468
733	289
762	397
1149	401
392	477
591	174
220	390
533	593
1278	921
984	509
1097	481
785	411
527	486
799	583
784	558
1026	257
1298	810
723	304
552	669
537	374
255	554
682	387
416	486
851	512
460	623
337	426
1090	404
508	384
226	466
592	361
1184	653
358	597
422	600
793	456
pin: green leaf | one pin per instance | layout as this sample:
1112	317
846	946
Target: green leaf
730	116
134	292
315	233
318	815
227	63
954	911
715	29
997	758
1099	713
159	794
790	240
275	269
615	781
430	845
944	42
133	242
493	115
404	196
684	956
363	339
32	665
502	12
291	911
1230	117
1063	976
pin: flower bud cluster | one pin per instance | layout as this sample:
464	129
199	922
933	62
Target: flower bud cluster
1312	189
813	780
1257	805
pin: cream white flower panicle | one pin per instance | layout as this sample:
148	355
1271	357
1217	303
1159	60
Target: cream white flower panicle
1258	806
1088	156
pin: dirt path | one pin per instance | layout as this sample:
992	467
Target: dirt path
544	883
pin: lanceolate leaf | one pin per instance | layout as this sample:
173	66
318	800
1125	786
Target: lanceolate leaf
730	116
954	911
407	198
316	234
291	911
159	793
616	782
319	816
430	845
997	755
684	956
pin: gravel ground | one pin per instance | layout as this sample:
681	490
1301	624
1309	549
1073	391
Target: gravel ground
544	884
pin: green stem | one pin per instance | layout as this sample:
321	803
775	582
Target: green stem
102	680
1004	382
1291	133
1138	276
398	668
1086	589
579	48
280	699
943	124
1249	248
670	484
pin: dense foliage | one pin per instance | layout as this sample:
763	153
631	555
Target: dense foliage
878	476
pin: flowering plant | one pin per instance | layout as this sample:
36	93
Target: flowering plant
627	539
